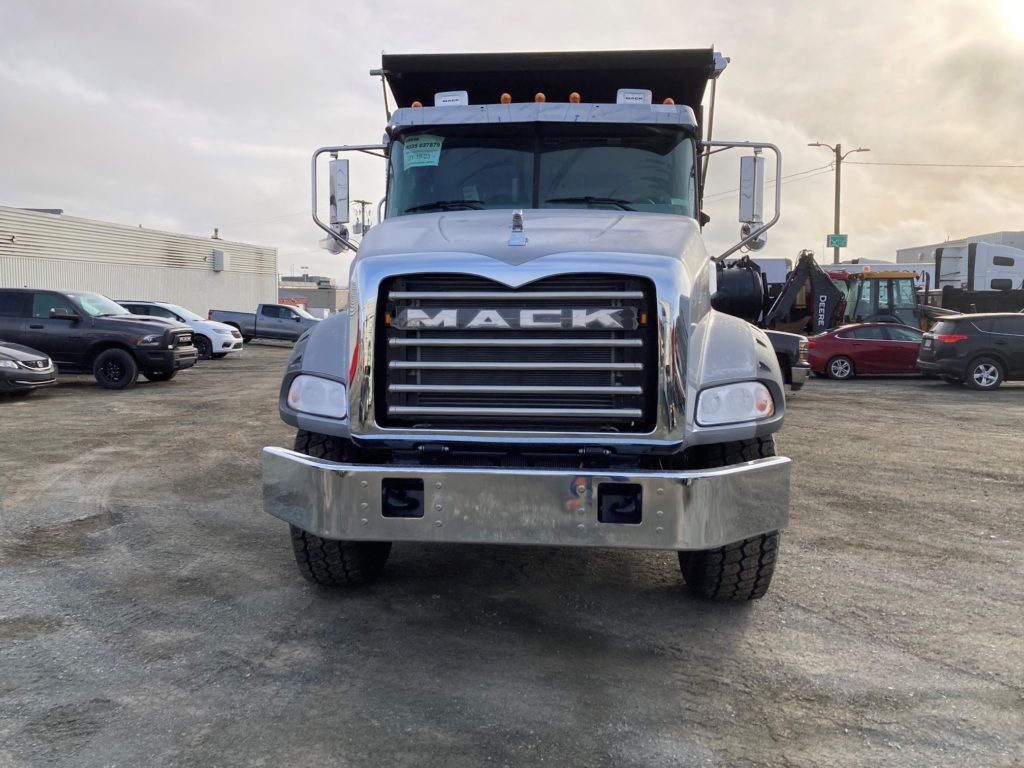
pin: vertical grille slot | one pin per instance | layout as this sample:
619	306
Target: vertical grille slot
572	353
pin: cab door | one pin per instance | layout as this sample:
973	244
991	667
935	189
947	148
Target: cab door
867	346
902	348
62	338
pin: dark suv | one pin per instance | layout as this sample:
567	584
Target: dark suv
88	333
980	350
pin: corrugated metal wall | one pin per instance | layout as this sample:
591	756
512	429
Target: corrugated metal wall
40	250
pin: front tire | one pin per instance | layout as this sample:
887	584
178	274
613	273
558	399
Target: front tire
115	369
742	570
984	373
204	348
159	375
840	367
333	562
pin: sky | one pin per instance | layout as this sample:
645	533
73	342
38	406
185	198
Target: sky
190	115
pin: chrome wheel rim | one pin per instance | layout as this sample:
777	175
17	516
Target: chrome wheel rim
841	368
985	375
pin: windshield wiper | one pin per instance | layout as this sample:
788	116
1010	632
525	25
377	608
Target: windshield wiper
623	204
445	205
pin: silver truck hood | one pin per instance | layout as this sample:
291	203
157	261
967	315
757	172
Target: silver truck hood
548	231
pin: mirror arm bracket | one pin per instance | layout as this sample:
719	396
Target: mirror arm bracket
756	146
370	149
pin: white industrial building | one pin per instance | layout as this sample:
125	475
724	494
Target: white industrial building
51	250
919	253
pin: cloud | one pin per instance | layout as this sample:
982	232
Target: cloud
193	115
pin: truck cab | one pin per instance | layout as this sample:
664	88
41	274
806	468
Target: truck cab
530	354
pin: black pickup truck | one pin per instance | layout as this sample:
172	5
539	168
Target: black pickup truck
88	333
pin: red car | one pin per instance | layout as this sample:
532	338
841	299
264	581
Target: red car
864	348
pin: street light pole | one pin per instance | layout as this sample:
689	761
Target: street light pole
838	151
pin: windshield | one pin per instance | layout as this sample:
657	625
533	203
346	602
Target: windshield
98	306
188	314
544	165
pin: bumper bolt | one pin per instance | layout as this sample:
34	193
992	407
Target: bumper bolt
437	485
364	521
437	523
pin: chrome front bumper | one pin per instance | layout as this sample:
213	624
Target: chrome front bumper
680	510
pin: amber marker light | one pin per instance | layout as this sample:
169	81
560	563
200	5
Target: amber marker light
387	318
669	102
540	98
417	104
643	318
574	98
506	98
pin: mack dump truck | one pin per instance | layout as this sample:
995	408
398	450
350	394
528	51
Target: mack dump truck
530	354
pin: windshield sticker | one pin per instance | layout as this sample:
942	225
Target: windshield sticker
422	150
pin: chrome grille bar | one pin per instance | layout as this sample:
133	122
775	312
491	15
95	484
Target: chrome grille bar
512	366
625	413
514	389
535	342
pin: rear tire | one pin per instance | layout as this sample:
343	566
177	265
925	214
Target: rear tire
984	373
742	570
840	367
115	369
333	562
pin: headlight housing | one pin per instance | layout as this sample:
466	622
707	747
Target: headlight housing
224	331
8	364
735	403
150	340
318	396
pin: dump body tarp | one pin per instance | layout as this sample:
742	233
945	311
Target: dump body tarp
681	75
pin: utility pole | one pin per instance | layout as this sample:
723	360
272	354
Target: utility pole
838	151
363	204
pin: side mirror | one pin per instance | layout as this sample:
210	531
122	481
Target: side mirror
297	318
339	192
63	314
752	200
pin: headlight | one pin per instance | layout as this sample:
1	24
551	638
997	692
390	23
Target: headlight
223	333
8	364
320	397
151	339
733	403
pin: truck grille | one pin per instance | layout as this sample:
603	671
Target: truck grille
567	378
182	339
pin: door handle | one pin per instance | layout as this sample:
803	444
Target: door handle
36	327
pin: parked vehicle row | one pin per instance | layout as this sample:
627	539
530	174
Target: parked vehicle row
981	350
212	339
84	332
43	332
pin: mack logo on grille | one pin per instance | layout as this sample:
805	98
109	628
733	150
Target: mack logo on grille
506	318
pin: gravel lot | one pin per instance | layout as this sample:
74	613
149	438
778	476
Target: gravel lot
151	613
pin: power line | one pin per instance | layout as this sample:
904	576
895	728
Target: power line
936	165
822	168
269	218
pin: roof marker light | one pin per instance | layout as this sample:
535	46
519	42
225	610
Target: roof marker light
574	98
669	102
506	98
540	98
416	104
